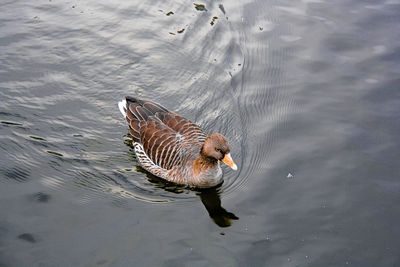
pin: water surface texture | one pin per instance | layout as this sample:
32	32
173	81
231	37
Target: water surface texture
307	92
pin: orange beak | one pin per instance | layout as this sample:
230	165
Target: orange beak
229	161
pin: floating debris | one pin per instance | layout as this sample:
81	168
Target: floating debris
55	153
200	7
221	6
290	175
27	237
37	138
11	123
172	33
77	135
213	20
181	30
170	13
261	28
41	197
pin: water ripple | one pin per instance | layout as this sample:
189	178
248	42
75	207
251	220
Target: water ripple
71	124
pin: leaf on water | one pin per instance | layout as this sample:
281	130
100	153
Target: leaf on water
55	153
213	20
11	123
27	237
200	7
37	138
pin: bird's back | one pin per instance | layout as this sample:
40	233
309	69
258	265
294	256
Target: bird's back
167	139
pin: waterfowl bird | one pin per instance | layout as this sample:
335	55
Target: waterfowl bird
172	147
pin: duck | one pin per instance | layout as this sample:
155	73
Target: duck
174	148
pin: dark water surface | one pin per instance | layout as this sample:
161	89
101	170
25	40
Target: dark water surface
307	93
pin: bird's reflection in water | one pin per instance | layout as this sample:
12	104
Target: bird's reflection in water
212	201
210	197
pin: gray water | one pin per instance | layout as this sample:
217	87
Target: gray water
307	93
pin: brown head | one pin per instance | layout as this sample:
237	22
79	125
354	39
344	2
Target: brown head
216	148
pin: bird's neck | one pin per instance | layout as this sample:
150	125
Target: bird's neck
203	163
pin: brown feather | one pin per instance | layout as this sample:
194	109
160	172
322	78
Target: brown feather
171	146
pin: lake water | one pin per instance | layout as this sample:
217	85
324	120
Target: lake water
307	92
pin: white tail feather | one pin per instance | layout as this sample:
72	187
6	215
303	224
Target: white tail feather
122	107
